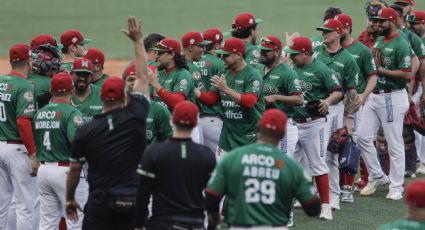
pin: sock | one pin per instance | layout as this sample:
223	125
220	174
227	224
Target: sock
322	182
349	179
364	175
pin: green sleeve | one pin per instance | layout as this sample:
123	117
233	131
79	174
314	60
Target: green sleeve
253	56
218	68
417	46
184	84
351	74
329	80
25	106
304	191
217	182
162	123
404	56
254	83
368	63
292	83
75	120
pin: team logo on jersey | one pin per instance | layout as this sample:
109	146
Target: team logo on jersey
78	120
183	84
297	84
196	75
149	134
28	96
305	85
387	61
256	53
335	78
280	164
407	60
256	85
201	85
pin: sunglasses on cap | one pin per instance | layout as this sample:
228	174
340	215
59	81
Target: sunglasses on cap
224	56
411	18
163	48
266	41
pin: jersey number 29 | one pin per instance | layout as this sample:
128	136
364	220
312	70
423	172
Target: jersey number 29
256	191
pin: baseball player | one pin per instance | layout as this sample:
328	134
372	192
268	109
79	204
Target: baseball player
17	148
210	65
158	126
54	129
245	27
346	70
417	25
317	82
366	84
330	13
73	42
387	105
260	182
415	209
281	88
97	57
86	95
46	62
241	95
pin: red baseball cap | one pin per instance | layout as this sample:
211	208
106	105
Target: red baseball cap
71	37
186	113
113	89
233	45
62	82
274	119
44	39
270	43
387	14
331	25
95	56
193	38
417	16
129	70
244	21
345	20
19	52
213	35
82	65
168	44
415	194
411	2
299	45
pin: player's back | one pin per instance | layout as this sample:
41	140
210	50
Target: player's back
16	100
261	185
54	129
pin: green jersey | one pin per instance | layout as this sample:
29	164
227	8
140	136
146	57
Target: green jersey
41	87
316	41
342	64
281	80
365	62
240	123
92	104
260	184
209	66
416	43
158	127
252	54
317	82
175	81
16	100
397	55
100	81
54	129
403	225
66	66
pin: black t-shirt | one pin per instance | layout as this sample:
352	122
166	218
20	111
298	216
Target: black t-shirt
179	170
112	146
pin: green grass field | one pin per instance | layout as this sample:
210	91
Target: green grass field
101	20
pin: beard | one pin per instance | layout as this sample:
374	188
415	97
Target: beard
385	32
161	66
266	62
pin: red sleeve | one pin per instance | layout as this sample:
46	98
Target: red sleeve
170	99
248	100
25	131
209	98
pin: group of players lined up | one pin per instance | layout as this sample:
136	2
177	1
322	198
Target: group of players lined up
232	81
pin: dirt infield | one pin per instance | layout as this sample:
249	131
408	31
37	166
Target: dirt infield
113	67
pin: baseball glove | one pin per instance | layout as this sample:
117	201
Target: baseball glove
338	140
377	56
312	108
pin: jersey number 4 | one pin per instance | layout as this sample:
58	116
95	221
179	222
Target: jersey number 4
256	191
46	141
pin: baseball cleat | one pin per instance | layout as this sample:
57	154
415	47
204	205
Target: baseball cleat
291	220
347	195
421	169
326	213
372	185
394	195
360	185
335	202
297	204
